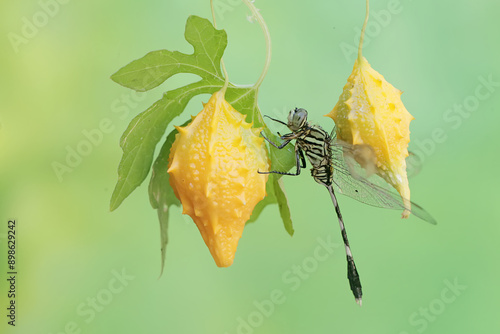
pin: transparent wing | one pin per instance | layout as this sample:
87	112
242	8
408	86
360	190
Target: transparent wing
413	164
350	179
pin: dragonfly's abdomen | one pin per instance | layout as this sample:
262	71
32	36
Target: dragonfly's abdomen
322	174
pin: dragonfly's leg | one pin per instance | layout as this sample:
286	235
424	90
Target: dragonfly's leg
300	162
302	158
352	272
275	145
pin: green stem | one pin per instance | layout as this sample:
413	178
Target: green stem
267	36
226	78
360	48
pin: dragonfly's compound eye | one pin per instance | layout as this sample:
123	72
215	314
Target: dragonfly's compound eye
297	118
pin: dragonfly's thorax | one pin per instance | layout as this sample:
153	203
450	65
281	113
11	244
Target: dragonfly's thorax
316	144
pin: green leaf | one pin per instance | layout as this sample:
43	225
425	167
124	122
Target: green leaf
154	68
269	199
141	137
144	132
283	205
275	195
281	160
161	195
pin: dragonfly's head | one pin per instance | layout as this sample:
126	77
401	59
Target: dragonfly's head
297	118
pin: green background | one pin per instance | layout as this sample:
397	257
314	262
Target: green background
70	246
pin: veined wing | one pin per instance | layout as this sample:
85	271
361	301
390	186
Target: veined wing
349	180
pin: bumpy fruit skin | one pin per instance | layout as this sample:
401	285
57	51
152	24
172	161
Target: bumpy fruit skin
213	168
370	112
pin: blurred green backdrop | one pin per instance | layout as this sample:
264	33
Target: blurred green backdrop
417	278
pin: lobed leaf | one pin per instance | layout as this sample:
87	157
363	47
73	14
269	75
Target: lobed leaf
143	133
145	130
161	195
275	195
154	68
283	205
138	143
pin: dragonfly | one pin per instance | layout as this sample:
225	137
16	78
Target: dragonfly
334	168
